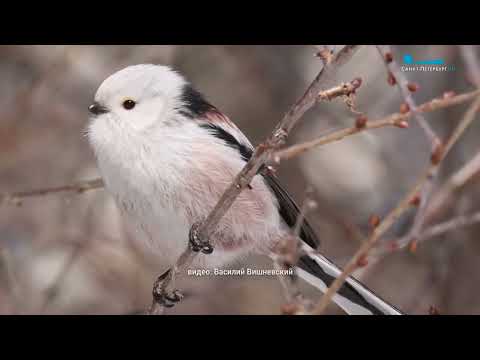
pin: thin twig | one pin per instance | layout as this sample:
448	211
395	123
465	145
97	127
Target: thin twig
459	130
262	153
397	120
79	247
308	205
344	89
395	214
324	52
470	59
467	172
402	82
79	187
450	225
286	255
473	68
443	196
12	286
430	232
52	291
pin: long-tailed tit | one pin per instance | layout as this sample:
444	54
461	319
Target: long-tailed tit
167	155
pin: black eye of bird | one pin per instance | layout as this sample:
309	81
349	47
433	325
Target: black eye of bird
129	104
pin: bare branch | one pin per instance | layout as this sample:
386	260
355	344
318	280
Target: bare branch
79	187
397	77
403	84
433	169
430	232
467	172
344	89
52	291
458	180
325	52
450	225
287	254
471	61
397	120
395	214
12	286
443	196
426	192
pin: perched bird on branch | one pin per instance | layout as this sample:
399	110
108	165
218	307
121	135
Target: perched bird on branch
167	155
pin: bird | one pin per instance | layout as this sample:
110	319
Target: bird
166	155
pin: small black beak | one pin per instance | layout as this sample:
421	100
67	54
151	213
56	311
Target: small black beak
97	109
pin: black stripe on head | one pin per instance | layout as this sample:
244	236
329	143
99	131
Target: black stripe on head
229	139
193	103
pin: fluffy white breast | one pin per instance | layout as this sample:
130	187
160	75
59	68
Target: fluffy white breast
172	177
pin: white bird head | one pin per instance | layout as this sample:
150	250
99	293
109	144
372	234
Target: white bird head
139	97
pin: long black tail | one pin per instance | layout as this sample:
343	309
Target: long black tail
353	297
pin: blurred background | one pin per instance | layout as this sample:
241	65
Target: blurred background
74	254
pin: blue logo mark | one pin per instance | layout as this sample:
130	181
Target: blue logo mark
429	65
408	59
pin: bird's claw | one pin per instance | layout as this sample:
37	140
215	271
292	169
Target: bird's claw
167	298
196	244
207	248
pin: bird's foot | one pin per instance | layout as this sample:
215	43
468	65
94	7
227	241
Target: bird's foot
196	243
164	296
167	298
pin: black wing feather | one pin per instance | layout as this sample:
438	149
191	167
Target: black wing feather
289	211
